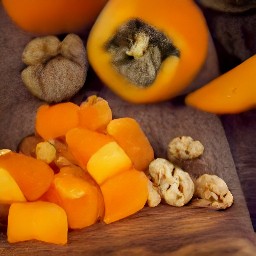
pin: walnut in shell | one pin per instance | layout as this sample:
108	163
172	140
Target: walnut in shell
56	70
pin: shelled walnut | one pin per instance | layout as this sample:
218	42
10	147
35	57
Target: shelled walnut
212	191
154	198
174	185
184	148
52	151
56	70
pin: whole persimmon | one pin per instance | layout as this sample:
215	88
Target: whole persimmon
53	17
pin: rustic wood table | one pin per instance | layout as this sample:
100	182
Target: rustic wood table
230	151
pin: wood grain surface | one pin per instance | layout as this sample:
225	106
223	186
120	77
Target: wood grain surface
241	133
235	41
163	230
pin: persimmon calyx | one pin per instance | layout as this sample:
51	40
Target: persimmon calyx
138	50
140	45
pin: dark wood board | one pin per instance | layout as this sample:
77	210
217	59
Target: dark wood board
241	133
235	41
164	230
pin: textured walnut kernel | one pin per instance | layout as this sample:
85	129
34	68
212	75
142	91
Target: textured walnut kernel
213	192
56	70
46	152
154	197
174	185
184	148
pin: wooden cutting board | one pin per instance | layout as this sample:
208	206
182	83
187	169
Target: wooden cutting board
163	230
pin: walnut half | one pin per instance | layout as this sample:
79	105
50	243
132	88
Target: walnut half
174	185
211	191
56	70
184	148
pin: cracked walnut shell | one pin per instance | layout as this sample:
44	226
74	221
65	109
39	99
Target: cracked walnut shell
56	70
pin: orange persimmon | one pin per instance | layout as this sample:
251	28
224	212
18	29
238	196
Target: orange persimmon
33	176
80	173
108	161
95	114
9	189
78	197
124	194
83	143
53	17
232	92
129	135
54	121
38	220
148	51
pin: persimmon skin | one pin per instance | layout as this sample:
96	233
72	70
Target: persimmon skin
181	21
47	17
231	93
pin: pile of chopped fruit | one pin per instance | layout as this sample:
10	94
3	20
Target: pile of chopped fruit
82	166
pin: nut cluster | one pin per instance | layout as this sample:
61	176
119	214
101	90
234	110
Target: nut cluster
171	184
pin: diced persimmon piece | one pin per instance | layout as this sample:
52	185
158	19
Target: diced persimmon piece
129	135
38	220
9	189
81	173
33	176
83	143
108	161
78	197
54	121
124	194
95	114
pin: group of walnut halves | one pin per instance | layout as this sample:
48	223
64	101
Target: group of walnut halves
172	185
56	70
